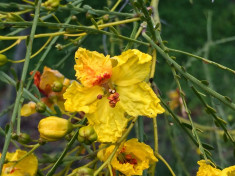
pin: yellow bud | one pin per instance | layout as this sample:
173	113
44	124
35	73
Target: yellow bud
51	4
3	59
54	128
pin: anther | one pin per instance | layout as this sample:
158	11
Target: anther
99	96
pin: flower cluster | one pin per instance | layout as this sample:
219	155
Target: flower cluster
52	84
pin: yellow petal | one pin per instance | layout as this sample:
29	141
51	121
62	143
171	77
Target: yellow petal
133	67
207	170
139	99
229	171
49	76
109	123
28	166
92	68
79	98
28	109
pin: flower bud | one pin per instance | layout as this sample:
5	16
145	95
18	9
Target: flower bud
24	138
106	18
85	171
88	15
57	86
14	136
3	59
51	4
54	128
87	135
40	107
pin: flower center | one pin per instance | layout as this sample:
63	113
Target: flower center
101	78
111	94
124	158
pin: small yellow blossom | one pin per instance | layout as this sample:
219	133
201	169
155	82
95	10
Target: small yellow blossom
28	109
207	170
174	95
28	166
106	94
131	158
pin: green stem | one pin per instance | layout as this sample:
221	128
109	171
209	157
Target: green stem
26	94
27	154
23	77
155	132
107	161
166	163
189	77
194	131
58	162
140	128
203	59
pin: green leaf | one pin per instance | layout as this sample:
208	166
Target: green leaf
35	91
205	82
208	146
14	74
225	137
58	112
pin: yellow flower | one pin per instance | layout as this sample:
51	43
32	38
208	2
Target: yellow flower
45	84
229	171
28	166
207	170
131	158
106	94
174	95
28	109
54	128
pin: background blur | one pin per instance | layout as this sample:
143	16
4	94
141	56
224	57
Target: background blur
184	26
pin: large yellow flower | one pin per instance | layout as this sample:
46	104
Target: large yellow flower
131	158
107	93
207	170
28	166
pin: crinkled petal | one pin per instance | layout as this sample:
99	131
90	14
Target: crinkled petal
92	68
207	170
49	76
28	166
109	123
28	109
79	98
229	171
133	67
139	99
140	151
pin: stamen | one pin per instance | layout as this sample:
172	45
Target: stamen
99	96
114	98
